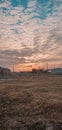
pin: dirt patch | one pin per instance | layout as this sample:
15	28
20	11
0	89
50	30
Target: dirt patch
31	106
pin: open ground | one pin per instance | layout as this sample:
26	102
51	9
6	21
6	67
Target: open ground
32	102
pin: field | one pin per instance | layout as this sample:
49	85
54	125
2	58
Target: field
32	102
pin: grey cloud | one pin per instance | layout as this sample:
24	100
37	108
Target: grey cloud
51	47
37	44
48	60
8	57
13	25
26	52
53	44
56	35
15	56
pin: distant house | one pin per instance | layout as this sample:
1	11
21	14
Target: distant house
4	71
56	71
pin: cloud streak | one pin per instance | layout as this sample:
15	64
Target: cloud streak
30	31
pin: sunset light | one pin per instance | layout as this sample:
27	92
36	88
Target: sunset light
30	33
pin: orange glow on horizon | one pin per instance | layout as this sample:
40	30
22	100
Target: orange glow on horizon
23	67
29	67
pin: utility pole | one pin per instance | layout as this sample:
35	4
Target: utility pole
46	66
13	68
54	66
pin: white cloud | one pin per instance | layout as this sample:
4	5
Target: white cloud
5	4
32	3
20	27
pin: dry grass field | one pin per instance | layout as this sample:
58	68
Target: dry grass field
31	103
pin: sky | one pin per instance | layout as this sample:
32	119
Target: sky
30	34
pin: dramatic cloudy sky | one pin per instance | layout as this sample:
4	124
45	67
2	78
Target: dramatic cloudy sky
30	33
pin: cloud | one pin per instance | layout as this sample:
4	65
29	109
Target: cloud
13	57
32	3
31	33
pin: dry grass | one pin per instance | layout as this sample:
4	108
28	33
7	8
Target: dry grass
31	103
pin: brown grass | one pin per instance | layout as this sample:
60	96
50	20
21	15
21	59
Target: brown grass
31	103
